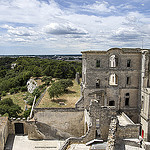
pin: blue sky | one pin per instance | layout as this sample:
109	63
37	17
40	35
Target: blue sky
71	26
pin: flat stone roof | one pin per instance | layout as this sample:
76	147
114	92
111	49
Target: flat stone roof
3	121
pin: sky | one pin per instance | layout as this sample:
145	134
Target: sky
46	27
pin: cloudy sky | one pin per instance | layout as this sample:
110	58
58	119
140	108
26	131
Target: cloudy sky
71	26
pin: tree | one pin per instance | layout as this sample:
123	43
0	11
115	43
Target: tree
59	87
7	106
55	90
36	93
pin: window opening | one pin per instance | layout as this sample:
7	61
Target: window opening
128	63
113	80
97	63
111	103
127	94
113	61
128	80
97	83
127	101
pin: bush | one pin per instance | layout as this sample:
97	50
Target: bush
27	113
36	93
23	89
3	93
8	107
12	91
30	101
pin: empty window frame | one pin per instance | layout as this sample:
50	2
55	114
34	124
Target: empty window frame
127	101
113	61
129	63
127	98
128	80
112	103
113	79
97	63
127	94
97	83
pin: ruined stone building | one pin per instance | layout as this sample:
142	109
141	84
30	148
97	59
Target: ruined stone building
119	79
113	108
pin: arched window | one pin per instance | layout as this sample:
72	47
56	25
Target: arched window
113	79
97	83
113	61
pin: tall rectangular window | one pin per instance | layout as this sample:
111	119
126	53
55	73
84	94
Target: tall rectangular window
127	98
128	80
97	63
126	101
128	63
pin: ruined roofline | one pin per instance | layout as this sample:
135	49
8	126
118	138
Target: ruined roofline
124	50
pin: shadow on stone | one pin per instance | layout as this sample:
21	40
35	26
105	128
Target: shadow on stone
10	142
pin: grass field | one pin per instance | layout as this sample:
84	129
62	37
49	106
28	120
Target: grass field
70	98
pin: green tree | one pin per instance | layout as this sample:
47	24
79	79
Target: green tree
7	106
59	87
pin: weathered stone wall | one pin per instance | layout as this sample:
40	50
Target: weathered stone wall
67	120
11	126
3	131
129	131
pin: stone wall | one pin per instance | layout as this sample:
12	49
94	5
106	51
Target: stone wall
3	131
129	131
117	92
69	120
11	125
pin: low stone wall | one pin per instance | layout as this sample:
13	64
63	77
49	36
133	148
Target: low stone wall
69	120
3	131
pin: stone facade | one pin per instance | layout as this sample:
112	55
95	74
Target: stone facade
145	95
116	85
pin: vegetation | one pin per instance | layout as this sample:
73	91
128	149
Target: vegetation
60	87
69	98
13	81
8	107
27	67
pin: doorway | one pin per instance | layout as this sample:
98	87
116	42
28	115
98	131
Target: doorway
19	128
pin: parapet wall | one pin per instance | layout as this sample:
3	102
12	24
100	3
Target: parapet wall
69	120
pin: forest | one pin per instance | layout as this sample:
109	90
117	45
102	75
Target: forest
15	79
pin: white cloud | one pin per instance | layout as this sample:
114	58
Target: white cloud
100	7
20	31
62	29
48	25
126	34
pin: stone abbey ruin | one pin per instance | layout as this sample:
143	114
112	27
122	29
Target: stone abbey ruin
113	109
